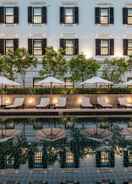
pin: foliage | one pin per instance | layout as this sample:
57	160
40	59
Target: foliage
18	62
113	69
117	138
81	68
53	63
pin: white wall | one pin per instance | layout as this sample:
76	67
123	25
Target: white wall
86	30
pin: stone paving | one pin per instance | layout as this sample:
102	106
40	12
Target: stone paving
86	174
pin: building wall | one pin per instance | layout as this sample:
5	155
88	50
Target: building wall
86	31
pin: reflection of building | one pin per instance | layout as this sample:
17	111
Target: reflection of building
37	158
128	157
105	157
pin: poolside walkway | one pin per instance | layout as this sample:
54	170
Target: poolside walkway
65	112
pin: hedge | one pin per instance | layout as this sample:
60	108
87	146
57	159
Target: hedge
37	91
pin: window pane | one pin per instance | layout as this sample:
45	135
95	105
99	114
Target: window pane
104	12
69	47
9	11
37	47
37	11
69	157
69	16
129	20
129	12
104	157
38	157
104	43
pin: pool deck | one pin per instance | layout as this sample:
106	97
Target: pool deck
65	112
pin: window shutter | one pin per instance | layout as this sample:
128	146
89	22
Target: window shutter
44	15
62	9
62	43
111	15
98	45
30	46
125	47
97	15
1	14
76	47
1	46
125	15
111	47
44	45
98	155
30	15
16	42
125	158
76	15
16	15
112	158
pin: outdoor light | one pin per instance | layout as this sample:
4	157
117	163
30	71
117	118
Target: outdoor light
31	101
7	100
55	100
129	100
79	100
107	100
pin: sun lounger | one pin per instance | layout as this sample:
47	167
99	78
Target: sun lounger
44	102
123	102
61	102
104	102
18	102
85	103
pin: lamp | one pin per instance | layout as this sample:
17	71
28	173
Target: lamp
31	101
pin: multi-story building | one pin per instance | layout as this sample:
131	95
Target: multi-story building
99	28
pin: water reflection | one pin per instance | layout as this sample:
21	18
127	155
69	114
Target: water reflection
65	142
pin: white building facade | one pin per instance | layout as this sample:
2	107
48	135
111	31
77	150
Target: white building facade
98	28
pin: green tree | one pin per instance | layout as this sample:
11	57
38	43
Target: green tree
7	64
81	68
24	61
53	63
16	63
113	69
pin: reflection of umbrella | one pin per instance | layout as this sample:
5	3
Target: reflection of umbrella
127	132
96	81
50	81
9	134
53	134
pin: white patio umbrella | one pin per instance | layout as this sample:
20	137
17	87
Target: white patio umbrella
4	81
50	81
96	81
128	83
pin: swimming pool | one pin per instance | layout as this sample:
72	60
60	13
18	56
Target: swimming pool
68	149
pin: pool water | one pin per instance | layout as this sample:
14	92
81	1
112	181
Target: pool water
66	150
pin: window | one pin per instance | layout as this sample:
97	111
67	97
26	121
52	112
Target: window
104	16
37	16
9	15
9	46
69	17
69	158
104	47
70	46
129	16
38	156
129	47
104	157
37	47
